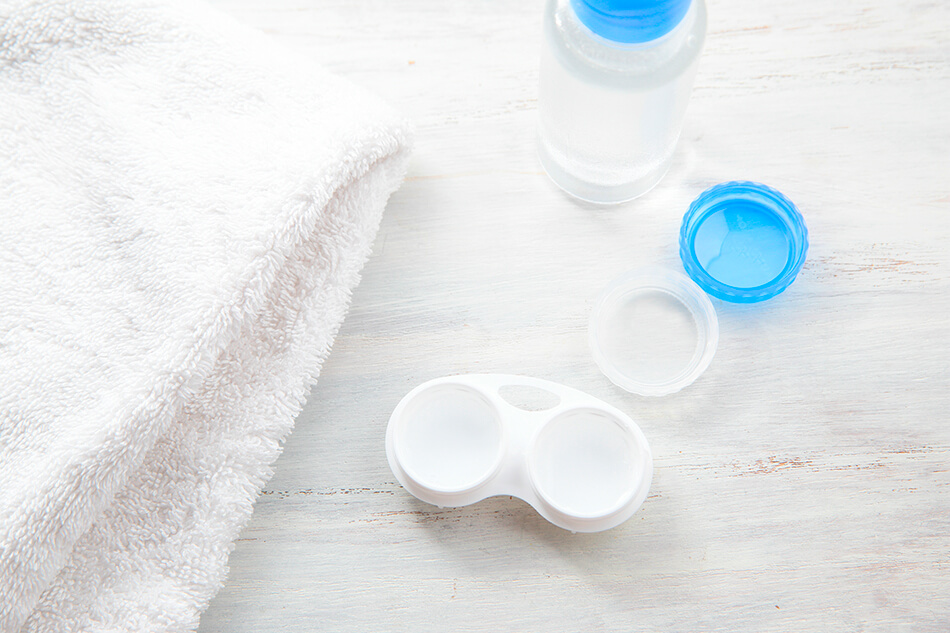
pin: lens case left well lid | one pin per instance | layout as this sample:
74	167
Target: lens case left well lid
582	464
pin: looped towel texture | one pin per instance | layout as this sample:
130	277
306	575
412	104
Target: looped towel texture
184	211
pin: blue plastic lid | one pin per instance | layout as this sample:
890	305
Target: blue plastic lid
743	242
630	21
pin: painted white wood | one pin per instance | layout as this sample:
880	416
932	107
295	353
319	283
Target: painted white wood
802	483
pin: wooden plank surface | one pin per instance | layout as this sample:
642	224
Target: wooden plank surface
802	483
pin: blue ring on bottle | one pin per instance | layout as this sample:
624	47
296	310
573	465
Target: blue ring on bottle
743	241
631	21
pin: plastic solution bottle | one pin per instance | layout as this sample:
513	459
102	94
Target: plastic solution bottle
615	80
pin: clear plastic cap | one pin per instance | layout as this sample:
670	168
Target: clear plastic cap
653	331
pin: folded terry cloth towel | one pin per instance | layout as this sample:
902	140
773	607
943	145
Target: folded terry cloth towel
184	210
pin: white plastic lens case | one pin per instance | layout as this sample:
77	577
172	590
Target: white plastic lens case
582	464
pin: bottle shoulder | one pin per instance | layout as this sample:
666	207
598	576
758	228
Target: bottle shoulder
584	52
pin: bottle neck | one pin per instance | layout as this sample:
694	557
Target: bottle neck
631	21
585	53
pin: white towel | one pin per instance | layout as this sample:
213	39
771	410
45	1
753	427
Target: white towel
184	211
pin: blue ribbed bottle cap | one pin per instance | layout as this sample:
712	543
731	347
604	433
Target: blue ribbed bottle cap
743	242
630	21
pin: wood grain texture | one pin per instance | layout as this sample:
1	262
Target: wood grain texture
802	483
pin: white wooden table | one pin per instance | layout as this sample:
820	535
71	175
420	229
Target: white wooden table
802	483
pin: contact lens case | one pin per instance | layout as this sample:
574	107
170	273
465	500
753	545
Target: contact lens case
582	464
